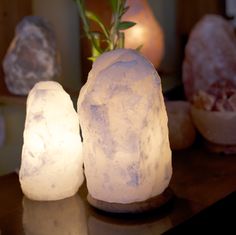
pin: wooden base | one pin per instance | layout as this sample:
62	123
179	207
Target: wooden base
217	148
136	207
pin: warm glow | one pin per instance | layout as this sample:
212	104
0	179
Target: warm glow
51	164
147	32
136	34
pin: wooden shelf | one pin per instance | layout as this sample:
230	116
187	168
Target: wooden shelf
12	99
200	179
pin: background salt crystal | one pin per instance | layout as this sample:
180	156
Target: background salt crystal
32	56
210	55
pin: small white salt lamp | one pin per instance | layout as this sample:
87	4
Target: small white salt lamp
51	163
126	148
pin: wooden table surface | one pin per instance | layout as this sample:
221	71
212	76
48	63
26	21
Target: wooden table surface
199	180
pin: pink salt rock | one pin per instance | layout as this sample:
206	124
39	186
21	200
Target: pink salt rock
182	132
220	96
216	127
203	100
210	55
232	102
32	56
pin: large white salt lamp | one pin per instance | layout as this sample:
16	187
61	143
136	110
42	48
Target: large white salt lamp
51	164
126	148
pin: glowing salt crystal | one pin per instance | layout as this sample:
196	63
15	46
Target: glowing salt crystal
126	148
51	164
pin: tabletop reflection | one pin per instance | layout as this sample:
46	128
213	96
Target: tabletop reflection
97	226
56	217
75	216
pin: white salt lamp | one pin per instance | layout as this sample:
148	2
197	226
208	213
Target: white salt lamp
51	163
126	148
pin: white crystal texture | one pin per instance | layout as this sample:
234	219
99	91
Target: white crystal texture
51	163
126	148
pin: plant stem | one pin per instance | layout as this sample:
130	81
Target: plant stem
114	37
81	8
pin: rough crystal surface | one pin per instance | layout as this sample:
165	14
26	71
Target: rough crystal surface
216	127
31	57
182	133
220	96
126	148
51	163
210	55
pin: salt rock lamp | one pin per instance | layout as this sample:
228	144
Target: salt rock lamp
126	149
210	55
32	56
51	163
214	115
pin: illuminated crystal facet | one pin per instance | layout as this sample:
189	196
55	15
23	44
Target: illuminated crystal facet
51	164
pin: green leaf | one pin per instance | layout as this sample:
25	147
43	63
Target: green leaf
81	9
113	37
92	58
92	16
121	6
125	25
